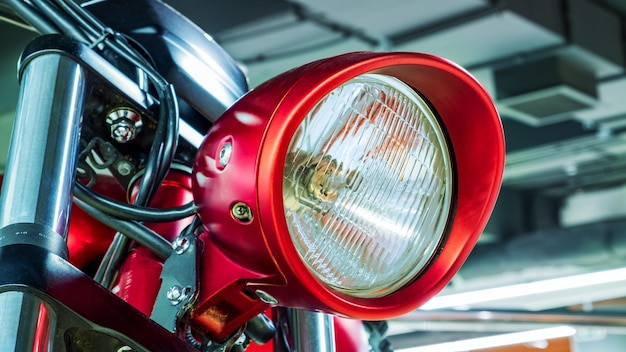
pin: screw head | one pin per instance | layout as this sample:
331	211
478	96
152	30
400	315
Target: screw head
224	155
241	211
176	294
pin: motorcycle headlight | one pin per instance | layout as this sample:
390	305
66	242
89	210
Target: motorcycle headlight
355	185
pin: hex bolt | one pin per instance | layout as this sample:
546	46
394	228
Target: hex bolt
176	294
180	244
241	211
124	123
122	132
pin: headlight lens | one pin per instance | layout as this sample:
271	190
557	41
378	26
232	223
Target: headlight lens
367	186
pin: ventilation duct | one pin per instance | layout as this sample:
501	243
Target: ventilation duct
544	91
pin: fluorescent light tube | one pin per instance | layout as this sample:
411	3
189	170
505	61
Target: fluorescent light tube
496	340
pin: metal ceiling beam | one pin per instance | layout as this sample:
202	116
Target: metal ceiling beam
447	23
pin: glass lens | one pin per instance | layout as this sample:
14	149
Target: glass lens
367	186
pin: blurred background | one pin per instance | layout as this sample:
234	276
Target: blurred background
555	247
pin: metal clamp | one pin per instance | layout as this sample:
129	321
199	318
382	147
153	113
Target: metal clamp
33	234
178	282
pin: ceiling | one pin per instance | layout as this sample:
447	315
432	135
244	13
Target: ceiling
556	71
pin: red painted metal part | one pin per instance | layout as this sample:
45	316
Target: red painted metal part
138	280
89	239
223	305
43	329
260	126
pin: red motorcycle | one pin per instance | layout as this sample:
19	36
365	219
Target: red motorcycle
209	217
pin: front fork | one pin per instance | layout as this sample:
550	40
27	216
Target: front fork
46	304
37	190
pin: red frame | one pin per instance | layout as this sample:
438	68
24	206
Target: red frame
259	127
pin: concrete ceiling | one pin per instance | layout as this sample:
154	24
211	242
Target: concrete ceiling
554	67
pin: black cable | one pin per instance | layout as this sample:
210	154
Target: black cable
134	230
163	148
125	211
166	135
33	17
92	30
65	23
113	258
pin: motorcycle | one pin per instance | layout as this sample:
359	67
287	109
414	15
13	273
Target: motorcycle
153	202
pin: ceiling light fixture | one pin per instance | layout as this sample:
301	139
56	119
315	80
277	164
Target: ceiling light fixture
496	340
560	285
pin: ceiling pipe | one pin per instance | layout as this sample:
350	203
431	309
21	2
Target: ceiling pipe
507	321
430	327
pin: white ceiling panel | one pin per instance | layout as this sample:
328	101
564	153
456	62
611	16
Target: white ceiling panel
280	37
385	18
611	102
499	35
262	70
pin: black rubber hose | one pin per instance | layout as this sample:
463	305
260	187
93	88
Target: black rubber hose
126	211
133	230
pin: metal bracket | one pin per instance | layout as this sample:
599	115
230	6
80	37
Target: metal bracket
178	282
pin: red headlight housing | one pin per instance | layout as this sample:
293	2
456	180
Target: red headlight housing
355	185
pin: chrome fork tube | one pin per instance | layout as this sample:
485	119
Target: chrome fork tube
304	331
37	190
27	323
